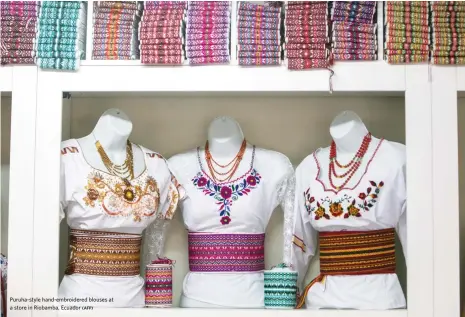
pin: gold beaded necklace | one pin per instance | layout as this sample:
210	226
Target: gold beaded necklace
125	170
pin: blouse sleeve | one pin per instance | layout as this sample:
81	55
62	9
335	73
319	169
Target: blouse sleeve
285	196
402	223
63	203
303	235
155	233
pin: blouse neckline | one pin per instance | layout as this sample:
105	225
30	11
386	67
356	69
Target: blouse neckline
317	177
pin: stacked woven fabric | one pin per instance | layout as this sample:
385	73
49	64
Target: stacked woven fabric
18	31
448	37
160	32
116	30
306	26
61	34
258	34
208	31
406	32
354	31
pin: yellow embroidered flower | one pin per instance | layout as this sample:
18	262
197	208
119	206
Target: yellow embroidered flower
353	211
336	209
320	212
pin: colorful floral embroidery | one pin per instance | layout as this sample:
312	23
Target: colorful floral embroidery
116	197
347	204
228	193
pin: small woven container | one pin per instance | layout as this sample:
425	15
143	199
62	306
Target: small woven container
159	283
280	288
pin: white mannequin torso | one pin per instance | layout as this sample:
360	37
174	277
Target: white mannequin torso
249	214
112	131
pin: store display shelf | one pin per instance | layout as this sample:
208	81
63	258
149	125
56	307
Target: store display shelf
177	312
461	78
349	76
6	78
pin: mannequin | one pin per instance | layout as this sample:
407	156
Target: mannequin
231	211
112	131
366	206
115	202
225	137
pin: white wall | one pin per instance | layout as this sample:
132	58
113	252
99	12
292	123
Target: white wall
295	126
461	131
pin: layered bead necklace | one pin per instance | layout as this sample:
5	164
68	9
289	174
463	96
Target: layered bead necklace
222	177
350	167
124	171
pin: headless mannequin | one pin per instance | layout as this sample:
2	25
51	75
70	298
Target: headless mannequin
348	130
225	138
112	131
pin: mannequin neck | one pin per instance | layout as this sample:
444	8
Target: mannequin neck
225	147
112	139
350	141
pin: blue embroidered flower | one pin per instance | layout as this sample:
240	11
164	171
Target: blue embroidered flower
225	194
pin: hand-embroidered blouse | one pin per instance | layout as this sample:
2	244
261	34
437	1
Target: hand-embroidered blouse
243	206
375	200
96	200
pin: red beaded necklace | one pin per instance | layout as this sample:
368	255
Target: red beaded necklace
352	166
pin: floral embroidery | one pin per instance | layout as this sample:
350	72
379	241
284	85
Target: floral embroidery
122	198
228	193
347	205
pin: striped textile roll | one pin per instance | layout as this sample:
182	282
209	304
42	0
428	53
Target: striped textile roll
406	22
208	24
307	37
280	288
159	283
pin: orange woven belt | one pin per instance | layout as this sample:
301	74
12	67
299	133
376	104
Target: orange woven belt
354	253
104	253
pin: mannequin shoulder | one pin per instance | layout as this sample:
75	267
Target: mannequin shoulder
69	148
151	154
276	159
183	160
310	163
396	151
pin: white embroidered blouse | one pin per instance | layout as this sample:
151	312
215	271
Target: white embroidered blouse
93	200
380	203
248	214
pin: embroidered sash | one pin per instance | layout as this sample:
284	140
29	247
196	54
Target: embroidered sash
355	253
209	252
104	253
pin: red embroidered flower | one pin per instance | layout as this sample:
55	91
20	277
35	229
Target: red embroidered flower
226	192
225	220
251	180
362	196
336	209
202	182
312	199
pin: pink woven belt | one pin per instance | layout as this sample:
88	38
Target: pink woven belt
210	252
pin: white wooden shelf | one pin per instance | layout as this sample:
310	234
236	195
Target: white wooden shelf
179	312
6	78
376	76
461	78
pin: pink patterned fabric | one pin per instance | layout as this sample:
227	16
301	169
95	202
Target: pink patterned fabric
211	252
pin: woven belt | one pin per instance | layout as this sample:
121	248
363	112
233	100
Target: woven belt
104	253
355	253
210	252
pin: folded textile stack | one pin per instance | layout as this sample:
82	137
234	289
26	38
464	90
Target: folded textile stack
354	31
406	32
448	36
160	33
208	32
258	34
116	25
18	31
61	37
307	41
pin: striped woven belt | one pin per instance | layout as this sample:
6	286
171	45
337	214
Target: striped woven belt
210	252
104	253
355	253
